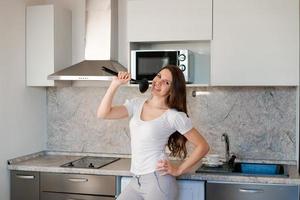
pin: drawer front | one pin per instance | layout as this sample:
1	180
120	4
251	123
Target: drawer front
76	183
229	191
61	196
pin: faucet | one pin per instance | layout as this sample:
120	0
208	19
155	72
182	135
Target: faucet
226	140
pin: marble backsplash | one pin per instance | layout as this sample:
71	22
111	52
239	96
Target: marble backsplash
260	121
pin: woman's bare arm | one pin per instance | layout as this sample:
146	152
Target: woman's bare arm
105	109
199	152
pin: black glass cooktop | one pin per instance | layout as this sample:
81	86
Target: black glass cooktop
90	162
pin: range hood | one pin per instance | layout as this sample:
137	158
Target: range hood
101	44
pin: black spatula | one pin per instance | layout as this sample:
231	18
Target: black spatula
143	84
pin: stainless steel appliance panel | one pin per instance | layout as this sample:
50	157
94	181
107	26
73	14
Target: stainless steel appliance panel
232	191
78	184
24	185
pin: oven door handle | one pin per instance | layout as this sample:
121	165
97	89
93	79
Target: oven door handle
78	180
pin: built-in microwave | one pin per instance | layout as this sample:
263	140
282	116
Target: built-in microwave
146	63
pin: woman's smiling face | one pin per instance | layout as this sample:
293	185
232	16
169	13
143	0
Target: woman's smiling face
161	83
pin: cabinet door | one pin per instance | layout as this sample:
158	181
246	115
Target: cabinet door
124	182
192	190
24	185
169	20
188	189
255	42
48	42
231	191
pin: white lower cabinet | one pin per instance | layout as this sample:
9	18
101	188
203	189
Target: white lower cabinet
192	190
188	189
124	182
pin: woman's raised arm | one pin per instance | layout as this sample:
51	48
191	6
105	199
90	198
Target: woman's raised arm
105	109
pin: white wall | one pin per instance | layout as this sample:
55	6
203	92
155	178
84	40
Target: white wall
22	109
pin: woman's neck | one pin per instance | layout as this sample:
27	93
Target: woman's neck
158	102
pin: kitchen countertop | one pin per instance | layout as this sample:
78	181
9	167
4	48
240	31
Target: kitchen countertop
46	161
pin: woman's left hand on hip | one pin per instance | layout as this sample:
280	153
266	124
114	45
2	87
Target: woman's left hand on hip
165	167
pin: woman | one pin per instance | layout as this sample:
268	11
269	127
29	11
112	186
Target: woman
156	122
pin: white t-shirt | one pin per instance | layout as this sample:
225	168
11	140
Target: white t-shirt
149	138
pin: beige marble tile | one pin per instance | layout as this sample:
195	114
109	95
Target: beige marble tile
260	121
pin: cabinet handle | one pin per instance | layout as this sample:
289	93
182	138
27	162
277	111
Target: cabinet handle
25	176
251	190
74	199
78	179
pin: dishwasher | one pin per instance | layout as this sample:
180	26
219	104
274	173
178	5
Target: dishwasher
245	191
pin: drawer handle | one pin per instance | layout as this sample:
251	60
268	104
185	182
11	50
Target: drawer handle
78	179
25	176
251	190
74	199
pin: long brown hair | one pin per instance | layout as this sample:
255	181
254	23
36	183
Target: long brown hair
177	100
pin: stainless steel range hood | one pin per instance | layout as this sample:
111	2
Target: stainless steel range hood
101	42
88	70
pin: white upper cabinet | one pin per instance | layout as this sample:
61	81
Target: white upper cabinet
169	20
255	42
48	42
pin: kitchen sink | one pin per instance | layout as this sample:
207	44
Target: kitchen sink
259	169
247	169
